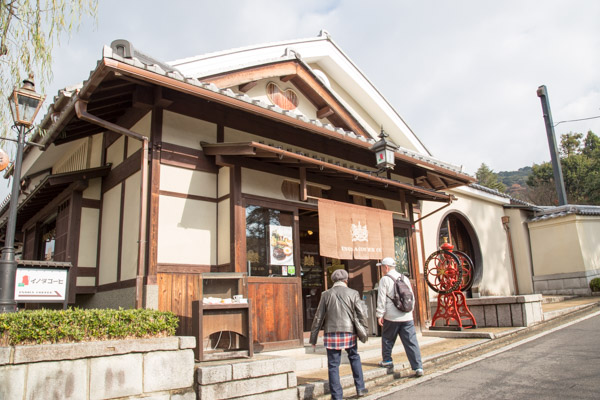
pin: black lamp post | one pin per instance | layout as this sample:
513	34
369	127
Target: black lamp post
384	150
24	105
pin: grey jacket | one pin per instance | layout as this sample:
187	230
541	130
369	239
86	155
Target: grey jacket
334	313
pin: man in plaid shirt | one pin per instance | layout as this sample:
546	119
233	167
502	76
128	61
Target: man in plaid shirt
339	312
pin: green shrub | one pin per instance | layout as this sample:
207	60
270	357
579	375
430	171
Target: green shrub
595	285
77	325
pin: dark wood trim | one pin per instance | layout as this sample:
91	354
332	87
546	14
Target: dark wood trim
247	86
237	221
87	272
164	268
129	283
58	200
156	126
74	231
223	198
85	290
91	203
120	234
185	157
187	196
220	133
285	205
121	172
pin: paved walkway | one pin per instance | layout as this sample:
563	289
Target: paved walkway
311	367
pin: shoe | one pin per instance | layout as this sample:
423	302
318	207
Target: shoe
419	372
362	393
386	364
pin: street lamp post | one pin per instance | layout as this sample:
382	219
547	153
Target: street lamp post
24	105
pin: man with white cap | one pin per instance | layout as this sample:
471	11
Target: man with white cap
339	312
395	322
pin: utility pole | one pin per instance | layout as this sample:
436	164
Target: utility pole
558	176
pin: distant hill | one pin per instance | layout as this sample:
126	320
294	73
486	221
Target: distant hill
515	181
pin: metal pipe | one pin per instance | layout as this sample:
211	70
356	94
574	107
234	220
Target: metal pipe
81	111
556	168
8	264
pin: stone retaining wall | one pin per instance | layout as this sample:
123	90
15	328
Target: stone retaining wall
574	283
262	377
139	368
505	311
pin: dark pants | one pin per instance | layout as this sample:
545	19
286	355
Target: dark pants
334	358
408	336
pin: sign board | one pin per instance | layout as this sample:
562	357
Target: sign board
41	285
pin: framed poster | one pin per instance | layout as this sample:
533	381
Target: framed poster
281	245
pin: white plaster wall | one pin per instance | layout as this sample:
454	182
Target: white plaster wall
522	250
88	238
556	246
262	184
86	281
223	181
114	154
188	181
96	153
131	227
94	189
143	125
485	217
109	236
589	237
186	231
224	232
187	131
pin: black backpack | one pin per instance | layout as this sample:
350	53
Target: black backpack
403	298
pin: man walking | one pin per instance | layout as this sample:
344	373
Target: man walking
338	311
395	322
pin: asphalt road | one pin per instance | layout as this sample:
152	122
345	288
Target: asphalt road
563	363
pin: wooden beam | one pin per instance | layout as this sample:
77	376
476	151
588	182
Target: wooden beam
247	86
287	78
325	112
251	74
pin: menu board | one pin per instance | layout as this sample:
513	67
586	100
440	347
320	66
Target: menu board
281	245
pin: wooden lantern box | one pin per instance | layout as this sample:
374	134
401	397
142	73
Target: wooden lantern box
222	330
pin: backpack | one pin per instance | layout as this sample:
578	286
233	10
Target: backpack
403	297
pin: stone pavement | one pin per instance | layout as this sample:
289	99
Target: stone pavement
311	367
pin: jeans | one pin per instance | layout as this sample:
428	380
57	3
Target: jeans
334	358
408	336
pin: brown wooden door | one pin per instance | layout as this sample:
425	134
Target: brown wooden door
276	312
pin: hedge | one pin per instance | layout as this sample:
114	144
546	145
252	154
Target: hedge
78	325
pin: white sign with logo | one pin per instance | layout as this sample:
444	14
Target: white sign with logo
41	285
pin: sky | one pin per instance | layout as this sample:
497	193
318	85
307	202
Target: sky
462	74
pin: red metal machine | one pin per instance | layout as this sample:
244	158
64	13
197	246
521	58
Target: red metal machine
449	273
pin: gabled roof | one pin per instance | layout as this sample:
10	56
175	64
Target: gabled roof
324	54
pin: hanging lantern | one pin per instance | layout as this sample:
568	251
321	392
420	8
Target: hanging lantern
384	152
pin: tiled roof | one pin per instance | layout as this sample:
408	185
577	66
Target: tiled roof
513	201
545	213
143	61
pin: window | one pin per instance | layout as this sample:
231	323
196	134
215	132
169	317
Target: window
269	242
402	251
48	241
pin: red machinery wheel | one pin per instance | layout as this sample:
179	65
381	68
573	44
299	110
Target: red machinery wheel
443	273
467	270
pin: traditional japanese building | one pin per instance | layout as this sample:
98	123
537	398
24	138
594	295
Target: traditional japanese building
257	160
